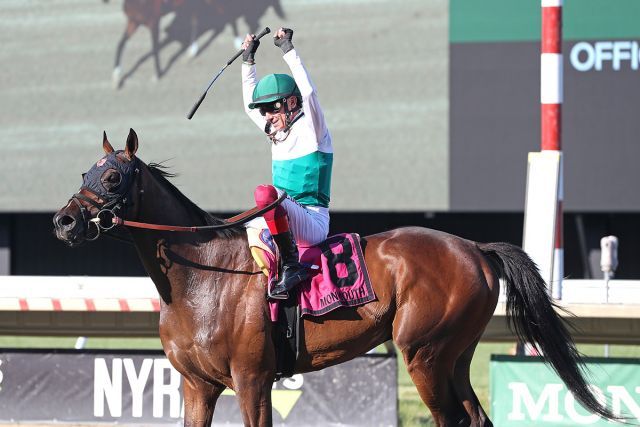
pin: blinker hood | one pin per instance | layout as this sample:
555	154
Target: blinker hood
92	179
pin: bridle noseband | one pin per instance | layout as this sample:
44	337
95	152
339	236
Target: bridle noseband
103	221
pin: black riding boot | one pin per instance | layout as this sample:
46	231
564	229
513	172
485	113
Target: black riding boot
292	271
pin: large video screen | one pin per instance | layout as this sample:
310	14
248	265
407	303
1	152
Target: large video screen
380	68
432	105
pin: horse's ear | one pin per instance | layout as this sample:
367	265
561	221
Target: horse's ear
132	144
105	143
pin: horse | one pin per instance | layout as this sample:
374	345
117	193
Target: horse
435	292
191	19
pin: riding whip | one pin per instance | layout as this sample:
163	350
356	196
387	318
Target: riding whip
195	107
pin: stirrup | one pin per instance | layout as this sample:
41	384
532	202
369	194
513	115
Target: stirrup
285	286
281	295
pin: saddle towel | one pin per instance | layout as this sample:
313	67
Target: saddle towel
341	280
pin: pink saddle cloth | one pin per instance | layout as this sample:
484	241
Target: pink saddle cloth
341	281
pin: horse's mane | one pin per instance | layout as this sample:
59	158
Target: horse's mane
160	172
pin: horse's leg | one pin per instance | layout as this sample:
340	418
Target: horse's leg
117	71
200	401
254	397
462	384
155	48
193	46
432	373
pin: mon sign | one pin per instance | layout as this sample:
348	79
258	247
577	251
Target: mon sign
526	392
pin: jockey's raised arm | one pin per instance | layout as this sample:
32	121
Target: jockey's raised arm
286	108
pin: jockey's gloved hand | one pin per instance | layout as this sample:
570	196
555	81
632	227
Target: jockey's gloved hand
250	46
283	39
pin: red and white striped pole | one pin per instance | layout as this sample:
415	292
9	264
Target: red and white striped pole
551	100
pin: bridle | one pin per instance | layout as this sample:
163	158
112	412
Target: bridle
226	223
103	220
108	205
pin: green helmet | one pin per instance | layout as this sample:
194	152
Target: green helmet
273	87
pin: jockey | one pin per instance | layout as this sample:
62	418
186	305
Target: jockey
287	109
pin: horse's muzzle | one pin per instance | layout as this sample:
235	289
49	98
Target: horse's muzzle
69	229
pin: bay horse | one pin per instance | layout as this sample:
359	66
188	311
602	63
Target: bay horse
191	19
435	295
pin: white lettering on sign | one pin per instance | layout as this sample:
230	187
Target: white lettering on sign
294	383
620	54
572	411
108	386
522	395
546	406
160	389
137	383
619	394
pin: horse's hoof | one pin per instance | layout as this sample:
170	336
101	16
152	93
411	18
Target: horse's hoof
116	78
237	42
193	50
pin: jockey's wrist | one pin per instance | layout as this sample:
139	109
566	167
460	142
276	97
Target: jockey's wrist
286	46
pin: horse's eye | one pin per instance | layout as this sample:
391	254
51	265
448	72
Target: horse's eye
110	179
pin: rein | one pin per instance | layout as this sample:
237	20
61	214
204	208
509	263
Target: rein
106	218
227	223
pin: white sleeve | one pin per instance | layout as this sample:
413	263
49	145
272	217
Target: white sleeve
249	82
310	103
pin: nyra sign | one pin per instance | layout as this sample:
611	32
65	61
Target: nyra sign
124	385
142	388
526	392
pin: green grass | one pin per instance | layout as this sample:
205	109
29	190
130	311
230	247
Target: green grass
412	412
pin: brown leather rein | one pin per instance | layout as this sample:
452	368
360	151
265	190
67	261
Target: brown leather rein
227	223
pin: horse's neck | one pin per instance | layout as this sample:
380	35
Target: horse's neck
158	204
178	266
169	256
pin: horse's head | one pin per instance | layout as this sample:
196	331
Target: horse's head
105	190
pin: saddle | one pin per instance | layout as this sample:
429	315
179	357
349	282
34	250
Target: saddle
339	278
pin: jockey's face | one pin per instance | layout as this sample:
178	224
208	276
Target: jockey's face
276	114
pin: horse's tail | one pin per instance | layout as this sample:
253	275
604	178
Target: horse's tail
530	311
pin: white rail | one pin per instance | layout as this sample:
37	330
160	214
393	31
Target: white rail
129	306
